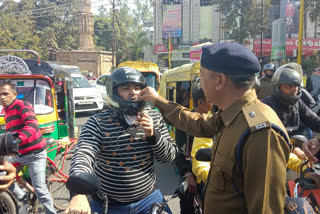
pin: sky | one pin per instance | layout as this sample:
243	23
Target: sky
95	4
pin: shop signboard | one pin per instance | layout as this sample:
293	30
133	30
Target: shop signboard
171	20
309	46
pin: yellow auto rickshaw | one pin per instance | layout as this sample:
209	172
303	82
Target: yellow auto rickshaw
176	85
149	70
35	83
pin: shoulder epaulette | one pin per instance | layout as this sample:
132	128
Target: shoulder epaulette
255	119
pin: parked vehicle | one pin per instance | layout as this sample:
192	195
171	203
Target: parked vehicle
71	69
38	88
86	97
100	84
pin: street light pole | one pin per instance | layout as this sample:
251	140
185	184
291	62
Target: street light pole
301	20
261	30
113	33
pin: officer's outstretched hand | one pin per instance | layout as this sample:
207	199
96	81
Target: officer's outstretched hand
8	179
145	122
310	148
78	205
148	94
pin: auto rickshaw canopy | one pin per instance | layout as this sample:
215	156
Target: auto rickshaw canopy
186	72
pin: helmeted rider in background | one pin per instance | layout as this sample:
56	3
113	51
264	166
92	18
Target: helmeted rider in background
265	88
120	146
286	102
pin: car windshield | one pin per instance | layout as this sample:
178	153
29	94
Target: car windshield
151	79
37	93
80	82
72	70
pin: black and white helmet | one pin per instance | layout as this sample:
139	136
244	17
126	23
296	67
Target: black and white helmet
122	76
286	76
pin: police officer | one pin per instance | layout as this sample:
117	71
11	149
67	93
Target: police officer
265	82
255	183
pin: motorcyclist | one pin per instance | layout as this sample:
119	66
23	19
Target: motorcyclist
120	146
306	97
265	88
286	102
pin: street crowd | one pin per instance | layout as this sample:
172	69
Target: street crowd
247	122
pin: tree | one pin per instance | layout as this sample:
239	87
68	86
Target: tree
39	25
16	32
241	18
313	7
131	27
56	23
103	31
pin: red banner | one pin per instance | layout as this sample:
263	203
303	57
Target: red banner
309	47
160	48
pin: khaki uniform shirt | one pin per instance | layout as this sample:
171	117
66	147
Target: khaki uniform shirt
265	89
264	158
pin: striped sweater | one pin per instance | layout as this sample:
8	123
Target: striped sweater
121	158
20	118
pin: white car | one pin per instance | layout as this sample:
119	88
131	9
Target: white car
100	84
86	97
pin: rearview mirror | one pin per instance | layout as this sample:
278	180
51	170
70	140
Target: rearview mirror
83	183
203	154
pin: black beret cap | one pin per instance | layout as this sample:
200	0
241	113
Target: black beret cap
229	58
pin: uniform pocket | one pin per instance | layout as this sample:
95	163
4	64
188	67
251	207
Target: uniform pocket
221	173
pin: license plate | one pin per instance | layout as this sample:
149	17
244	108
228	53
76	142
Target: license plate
85	102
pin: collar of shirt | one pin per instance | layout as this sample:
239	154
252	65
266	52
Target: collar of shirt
232	111
9	106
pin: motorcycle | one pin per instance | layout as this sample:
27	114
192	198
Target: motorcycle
89	184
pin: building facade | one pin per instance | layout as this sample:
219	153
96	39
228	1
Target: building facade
181	24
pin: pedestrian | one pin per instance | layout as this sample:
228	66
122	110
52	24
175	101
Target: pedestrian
120	146
20	118
254	183
90	76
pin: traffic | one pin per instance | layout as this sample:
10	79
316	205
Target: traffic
159	107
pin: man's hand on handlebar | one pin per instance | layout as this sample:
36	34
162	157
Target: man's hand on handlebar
7	180
314	176
192	184
78	205
300	154
310	148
